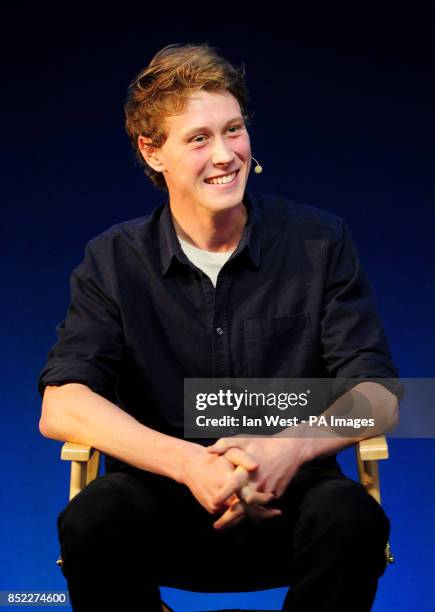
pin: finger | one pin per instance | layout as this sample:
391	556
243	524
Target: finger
237	513
234	483
259	513
229	523
230	500
237	456
223	444
232	516
252	496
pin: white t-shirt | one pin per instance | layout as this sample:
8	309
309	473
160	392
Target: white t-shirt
207	261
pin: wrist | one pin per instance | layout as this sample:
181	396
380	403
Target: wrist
299	439
190	455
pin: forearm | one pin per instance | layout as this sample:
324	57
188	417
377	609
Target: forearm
74	413
368	399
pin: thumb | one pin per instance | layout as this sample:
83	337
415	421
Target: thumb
220	446
241	457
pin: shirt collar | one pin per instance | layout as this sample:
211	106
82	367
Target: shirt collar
249	245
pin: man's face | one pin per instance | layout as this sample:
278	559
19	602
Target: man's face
208	139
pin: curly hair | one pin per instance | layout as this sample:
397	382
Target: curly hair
164	86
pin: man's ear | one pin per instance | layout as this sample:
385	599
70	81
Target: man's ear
150	153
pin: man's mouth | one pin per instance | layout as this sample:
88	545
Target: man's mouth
222	180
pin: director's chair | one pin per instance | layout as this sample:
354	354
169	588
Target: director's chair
85	462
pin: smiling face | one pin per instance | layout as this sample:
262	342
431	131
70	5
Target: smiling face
209	139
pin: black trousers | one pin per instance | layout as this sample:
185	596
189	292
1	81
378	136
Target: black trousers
128	532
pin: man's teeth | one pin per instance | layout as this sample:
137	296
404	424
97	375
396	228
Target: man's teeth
222	179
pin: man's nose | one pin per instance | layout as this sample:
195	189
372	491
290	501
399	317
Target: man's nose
222	152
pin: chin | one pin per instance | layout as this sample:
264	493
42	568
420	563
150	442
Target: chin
224	201
223	204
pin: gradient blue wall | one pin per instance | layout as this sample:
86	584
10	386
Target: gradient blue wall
344	121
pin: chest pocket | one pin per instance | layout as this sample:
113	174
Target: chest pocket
277	347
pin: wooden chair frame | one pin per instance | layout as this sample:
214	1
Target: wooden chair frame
85	468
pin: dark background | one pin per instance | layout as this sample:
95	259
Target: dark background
344	120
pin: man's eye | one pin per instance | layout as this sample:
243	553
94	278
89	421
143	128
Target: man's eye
199	139
235	127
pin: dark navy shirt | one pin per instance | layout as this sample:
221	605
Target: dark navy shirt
292	301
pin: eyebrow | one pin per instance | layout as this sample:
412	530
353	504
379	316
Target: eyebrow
198	130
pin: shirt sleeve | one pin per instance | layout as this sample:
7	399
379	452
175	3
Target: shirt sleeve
353	340
90	343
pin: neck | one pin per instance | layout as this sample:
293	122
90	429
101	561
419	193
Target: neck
220	231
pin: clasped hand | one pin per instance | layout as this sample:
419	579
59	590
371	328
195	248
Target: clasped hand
248	489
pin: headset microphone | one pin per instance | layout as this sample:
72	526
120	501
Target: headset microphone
258	169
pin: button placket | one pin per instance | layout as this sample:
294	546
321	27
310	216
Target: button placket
221	343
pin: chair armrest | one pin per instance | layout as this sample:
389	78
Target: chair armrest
373	448
368	452
85	463
76	452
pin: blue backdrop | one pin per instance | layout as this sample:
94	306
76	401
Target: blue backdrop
343	120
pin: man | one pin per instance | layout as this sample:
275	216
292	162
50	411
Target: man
217	282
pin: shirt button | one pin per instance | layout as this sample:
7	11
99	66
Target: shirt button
219	331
